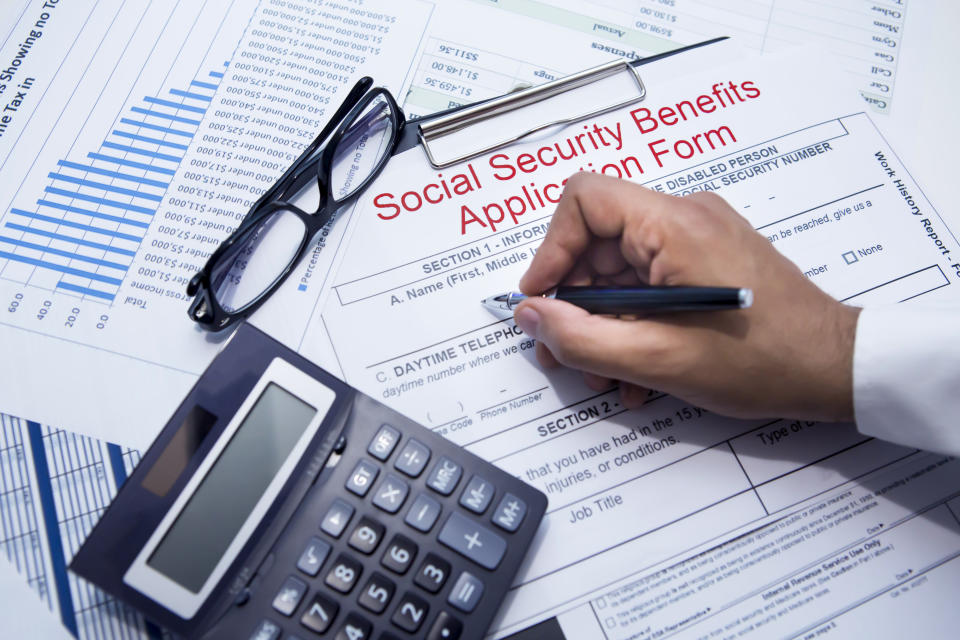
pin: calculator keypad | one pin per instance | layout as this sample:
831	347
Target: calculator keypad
366	536
383	442
431	510
509	513
445	627
343	574
355	627
466	592
320	613
362	477
337	518
413	458
391	493
313	556
423	513
473	541
288	598
477	495
399	554
433	573
444	477
410	613
377	593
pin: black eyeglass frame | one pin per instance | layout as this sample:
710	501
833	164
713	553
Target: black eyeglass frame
205	310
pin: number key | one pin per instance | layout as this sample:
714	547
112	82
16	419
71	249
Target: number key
354	628
343	574
320	614
399	555
410	613
433	573
377	593
366	536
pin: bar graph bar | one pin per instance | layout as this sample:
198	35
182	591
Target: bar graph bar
91	219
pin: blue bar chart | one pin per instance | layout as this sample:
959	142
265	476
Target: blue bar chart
89	222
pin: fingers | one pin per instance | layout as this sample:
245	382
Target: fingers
592	207
606	347
633	396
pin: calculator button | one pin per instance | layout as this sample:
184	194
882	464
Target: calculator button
410	612
433	573
343	574
266	630
355	628
444	477
423	513
473	540
399	555
366	536
362	477
320	613
413	458
313	556
391	493
377	593
338	515
477	495
289	596
383	442
509	513
466	592
445	627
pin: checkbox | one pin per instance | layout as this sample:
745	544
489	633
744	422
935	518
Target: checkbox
600	603
302	287
610	622
850	257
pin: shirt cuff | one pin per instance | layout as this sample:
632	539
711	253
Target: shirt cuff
906	375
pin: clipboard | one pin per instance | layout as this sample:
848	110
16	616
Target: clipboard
444	135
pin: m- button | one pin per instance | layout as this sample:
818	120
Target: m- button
473	540
477	495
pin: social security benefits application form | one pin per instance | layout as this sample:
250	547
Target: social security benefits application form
633	490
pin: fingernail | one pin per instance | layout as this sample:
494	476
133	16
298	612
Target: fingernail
528	320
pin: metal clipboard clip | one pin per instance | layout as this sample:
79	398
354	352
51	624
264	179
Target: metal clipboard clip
444	138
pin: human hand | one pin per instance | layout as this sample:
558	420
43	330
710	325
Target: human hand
789	355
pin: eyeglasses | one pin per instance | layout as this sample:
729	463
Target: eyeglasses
262	251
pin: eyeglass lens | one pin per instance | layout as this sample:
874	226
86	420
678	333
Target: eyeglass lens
257	259
362	149
266	250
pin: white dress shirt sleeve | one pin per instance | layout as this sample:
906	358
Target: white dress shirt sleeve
906	375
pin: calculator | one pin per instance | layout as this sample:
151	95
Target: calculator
280	503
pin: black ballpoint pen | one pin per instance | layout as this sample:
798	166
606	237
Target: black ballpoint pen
636	300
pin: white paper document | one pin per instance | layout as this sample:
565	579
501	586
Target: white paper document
633	491
137	136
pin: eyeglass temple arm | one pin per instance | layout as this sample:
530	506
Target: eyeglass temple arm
359	89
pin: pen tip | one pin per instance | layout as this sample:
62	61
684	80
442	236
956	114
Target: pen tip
746	298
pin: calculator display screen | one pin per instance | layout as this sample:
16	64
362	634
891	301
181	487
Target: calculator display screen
222	502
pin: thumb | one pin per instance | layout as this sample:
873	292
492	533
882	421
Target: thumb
599	344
